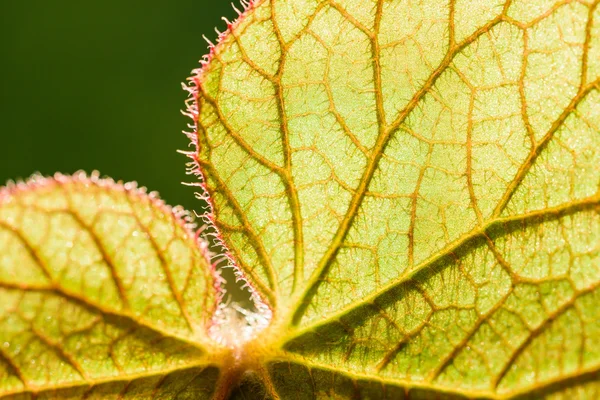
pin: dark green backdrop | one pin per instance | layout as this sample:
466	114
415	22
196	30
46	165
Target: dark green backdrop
96	85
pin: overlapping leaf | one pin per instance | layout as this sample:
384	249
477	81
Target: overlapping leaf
413	186
104	293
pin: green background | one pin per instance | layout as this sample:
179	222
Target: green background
96	85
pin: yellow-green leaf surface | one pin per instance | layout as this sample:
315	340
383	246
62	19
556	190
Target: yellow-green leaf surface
413	188
104	293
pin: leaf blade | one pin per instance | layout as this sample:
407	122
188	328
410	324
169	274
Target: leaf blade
72	315
403	139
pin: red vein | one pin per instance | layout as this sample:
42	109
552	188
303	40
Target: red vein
238	139
541	145
480	321
539	331
165	266
469	171
13	367
97	309
60	352
586	43
385	133
521	86
29	248
464	241
253	237
95	383
287	178
122	292
414	197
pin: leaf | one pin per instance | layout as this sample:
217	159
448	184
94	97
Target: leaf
104	293
413	188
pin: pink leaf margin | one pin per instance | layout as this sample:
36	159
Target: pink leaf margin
194	168
181	216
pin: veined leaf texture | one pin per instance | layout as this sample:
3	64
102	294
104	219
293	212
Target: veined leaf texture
411	189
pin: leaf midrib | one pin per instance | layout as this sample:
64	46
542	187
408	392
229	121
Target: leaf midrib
91	383
465	241
565	380
385	135
54	287
329	257
299	307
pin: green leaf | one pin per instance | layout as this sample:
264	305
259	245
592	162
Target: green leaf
104	293
413	188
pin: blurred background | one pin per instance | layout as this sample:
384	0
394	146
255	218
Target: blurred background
96	85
